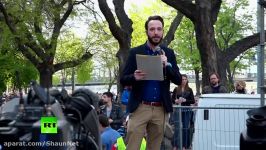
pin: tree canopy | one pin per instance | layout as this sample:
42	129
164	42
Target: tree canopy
36	26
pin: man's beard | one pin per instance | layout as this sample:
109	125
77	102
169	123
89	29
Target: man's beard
213	83
154	43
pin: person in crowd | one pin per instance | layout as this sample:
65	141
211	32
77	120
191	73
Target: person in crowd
123	129
183	95
125	97
101	106
99	94
116	97
214	86
112	111
149	100
240	87
108	135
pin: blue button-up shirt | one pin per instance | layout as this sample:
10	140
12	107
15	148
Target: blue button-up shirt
151	89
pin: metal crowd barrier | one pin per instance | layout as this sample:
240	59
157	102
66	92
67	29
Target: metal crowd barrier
208	128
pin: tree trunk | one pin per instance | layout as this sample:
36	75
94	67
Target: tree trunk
122	55
73	80
46	75
203	13
230	78
33	43
207	46
197	81
121	32
222	70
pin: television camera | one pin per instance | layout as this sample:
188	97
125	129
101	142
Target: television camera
254	137
77	121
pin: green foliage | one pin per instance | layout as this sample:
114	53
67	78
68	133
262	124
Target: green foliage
104	46
100	40
7	41
139	14
2	86
185	46
231	26
36	26
42	12
56	79
84	72
12	63
184	43
70	47
243	62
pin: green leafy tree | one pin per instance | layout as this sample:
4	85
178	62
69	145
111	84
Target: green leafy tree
71	47
36	26
56	79
229	28
12	62
138	13
104	47
186	48
84	72
204	15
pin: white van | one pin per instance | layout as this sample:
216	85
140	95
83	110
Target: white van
220	119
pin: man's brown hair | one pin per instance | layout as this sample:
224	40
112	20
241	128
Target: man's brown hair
103	120
153	18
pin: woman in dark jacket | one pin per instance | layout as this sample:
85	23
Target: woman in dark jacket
183	95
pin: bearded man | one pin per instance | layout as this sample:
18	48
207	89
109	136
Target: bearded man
149	101
215	86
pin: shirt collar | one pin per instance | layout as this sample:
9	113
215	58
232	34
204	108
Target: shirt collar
149	51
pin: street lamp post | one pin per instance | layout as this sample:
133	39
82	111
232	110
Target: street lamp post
260	50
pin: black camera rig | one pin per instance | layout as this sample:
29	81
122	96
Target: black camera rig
254	137
77	121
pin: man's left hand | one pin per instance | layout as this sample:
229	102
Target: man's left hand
163	58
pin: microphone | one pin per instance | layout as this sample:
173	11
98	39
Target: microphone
159	50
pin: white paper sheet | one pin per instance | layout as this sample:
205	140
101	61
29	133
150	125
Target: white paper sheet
151	65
